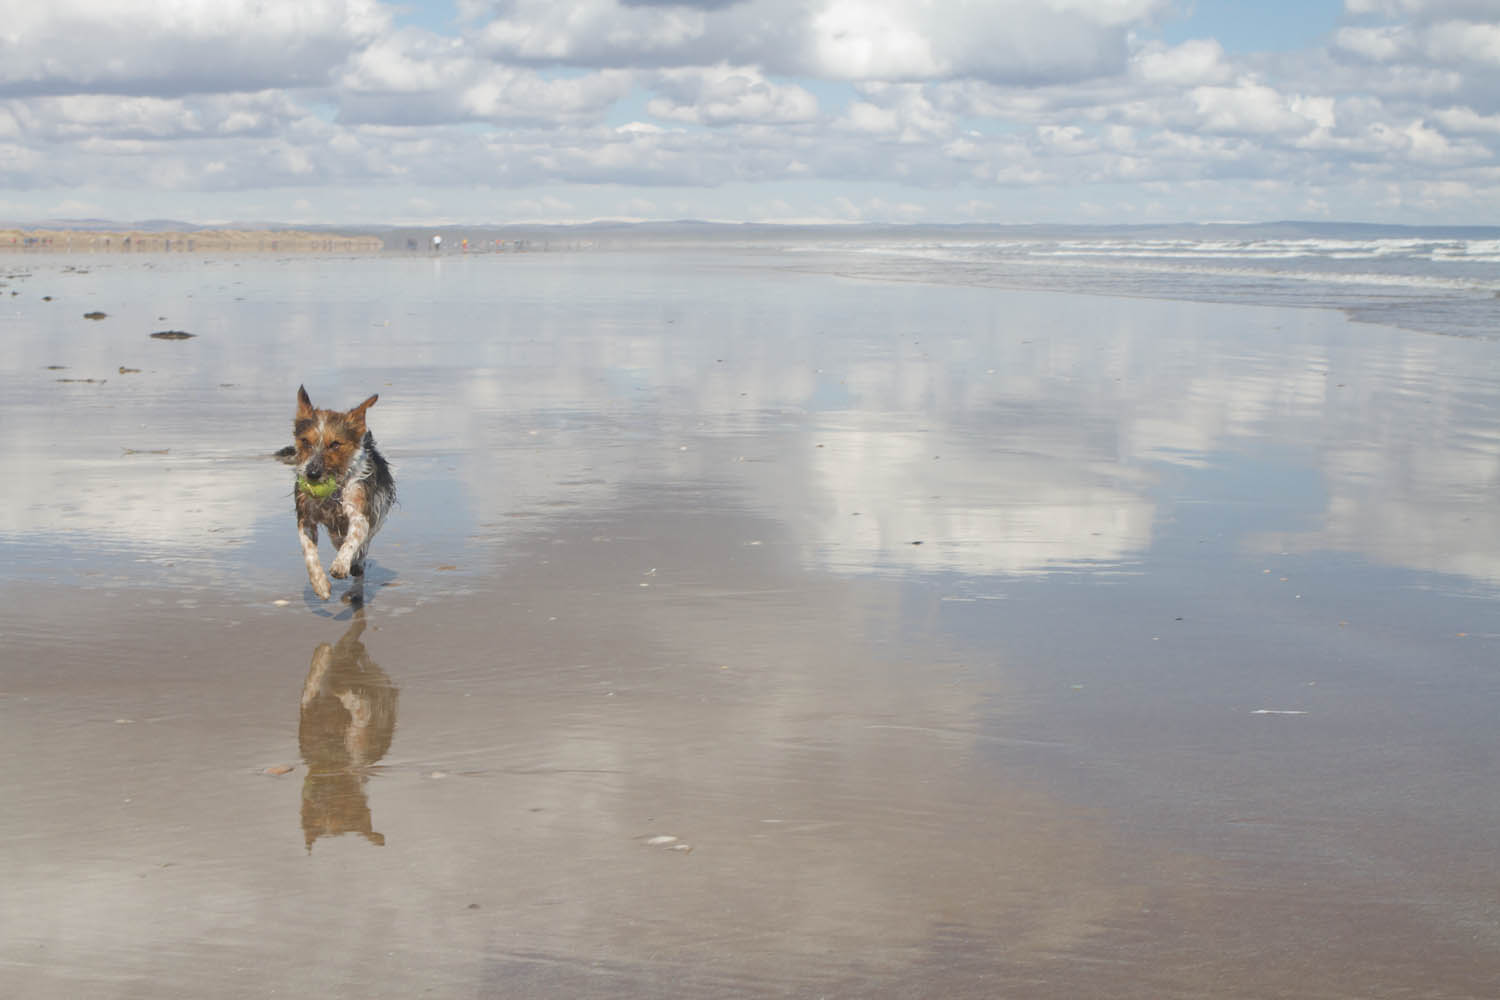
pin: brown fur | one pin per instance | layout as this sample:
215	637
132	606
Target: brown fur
337	435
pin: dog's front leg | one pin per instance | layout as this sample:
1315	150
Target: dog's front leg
308	534
353	544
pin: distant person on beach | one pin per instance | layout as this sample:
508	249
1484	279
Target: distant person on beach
437	243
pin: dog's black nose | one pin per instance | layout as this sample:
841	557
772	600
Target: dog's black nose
315	468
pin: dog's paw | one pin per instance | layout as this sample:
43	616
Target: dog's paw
340	569
322	587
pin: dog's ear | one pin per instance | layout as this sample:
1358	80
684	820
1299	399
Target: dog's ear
358	413
304	405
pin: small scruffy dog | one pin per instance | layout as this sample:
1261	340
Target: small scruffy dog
343	483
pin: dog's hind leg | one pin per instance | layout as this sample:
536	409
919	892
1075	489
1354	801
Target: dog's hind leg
308	534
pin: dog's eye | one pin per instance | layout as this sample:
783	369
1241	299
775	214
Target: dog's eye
335	445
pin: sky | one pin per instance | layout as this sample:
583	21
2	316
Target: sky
936	111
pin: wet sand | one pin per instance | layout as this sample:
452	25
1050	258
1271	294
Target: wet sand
743	631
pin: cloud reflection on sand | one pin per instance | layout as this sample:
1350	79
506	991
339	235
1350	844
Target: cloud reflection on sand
693	506
891	499
1411	463
826	765
1007	433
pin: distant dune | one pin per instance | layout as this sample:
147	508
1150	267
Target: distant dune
202	240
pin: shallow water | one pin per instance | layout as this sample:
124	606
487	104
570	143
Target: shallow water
742	630
1442	281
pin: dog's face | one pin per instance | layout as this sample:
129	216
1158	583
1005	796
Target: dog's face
327	441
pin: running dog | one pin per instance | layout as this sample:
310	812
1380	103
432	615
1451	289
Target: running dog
344	484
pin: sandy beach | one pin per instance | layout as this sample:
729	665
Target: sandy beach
744	630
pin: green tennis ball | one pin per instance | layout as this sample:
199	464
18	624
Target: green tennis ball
322	490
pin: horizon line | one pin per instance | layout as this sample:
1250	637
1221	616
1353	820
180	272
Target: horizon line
625	221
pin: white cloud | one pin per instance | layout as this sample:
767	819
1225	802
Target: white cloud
1464	119
1422	10
1247	107
1020	41
1452	36
148	48
406	62
722	94
1464	41
955	104
99	116
863	116
902	112
1377	44
1199	61
865	39
1014	40
415	78
505	94
1068	140
593	32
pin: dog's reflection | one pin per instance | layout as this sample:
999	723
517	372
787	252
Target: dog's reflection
348	720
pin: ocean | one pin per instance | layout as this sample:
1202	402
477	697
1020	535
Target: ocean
1430	281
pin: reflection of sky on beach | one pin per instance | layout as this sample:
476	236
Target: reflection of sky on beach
889	427
681	497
